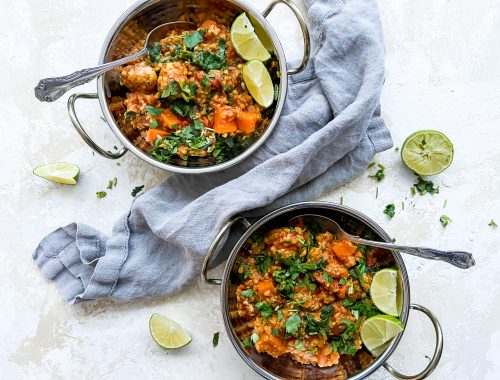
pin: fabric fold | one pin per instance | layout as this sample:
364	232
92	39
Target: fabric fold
328	132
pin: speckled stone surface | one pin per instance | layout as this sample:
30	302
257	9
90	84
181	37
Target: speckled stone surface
442	73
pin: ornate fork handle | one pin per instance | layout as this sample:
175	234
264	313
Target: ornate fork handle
50	89
460	259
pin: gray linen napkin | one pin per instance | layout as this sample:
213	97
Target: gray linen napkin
328	133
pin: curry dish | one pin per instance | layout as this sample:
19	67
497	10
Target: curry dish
187	99
304	295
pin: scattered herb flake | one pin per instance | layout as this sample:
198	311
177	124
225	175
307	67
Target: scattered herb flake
112	183
153	111
275	332
376	193
265	309
390	210
137	190
423	186
247	293
193	39
444	220
101	194
103	119
153	124
372	164
492	224
341	200
215	339
445	203
396	149
402	205
380	174
292	324
171	90
413	191
254	337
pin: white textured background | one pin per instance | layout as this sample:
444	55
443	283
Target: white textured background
443	72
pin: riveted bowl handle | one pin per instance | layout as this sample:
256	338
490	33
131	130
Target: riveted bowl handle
303	26
437	351
79	128
215	244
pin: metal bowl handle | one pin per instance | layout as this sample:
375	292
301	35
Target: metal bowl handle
437	352
215	244
78	126
303	26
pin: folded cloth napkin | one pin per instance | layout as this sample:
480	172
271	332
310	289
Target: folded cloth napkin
328	133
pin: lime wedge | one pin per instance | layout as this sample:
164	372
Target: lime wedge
246	42
384	291
427	152
262	34
377	332
259	83
167	333
59	172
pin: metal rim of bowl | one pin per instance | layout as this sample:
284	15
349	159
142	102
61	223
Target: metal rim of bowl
379	361
126	17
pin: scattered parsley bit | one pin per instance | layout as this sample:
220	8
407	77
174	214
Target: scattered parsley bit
380	174
118	164
402	205
193	39
100	194
376	193
204	81
372	164
171	90
492	224
341	200
424	186
215	339
254	337
247	293
292	324
103	119
265	309
137	190
444	220
396	149
153	111
112	183
129	115
188	90
390	210
413	191
262	263
445	203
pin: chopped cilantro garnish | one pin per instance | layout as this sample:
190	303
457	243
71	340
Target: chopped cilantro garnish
215	339
112	183
365	307
380	174
372	164
423	186
193	39
188	90
262	263
153	124
254	337
292	324
444	220
275	332
101	194
247	293
390	210
265	309
171	90
129	115
280	314
247	342
492	224
155	52
299	345
153	111
342	281
137	190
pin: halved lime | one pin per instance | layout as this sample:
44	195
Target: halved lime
259	82
384	291
246	42
167	333
427	152
378	331
59	172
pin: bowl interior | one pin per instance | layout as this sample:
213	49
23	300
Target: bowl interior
130	31
285	368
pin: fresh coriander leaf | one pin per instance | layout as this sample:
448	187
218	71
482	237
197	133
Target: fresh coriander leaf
193	39
188	90
247	293
390	210
171	90
292	324
492	224
204	81
137	190
254	337
342	281
423	187
155	52
153	111
299	345
265	309
380	174
263	263
129	115
444	220
112	183
101	194
280	314
153	124
275	332
215	339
